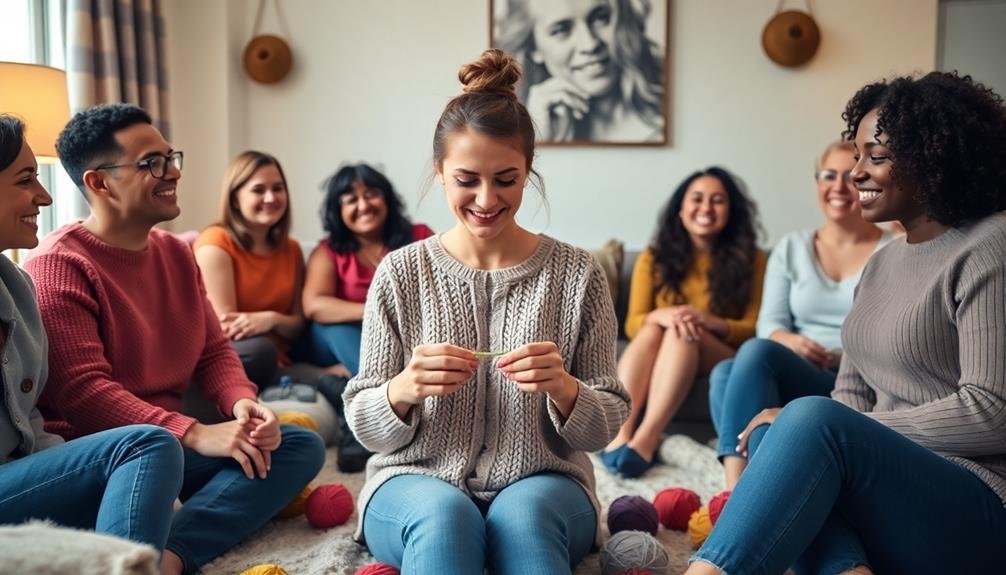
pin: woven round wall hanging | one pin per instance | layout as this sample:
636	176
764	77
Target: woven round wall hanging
267	57
791	37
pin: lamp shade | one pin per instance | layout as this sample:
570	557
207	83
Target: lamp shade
37	95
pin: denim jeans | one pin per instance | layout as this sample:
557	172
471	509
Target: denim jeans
332	343
831	489
763	374
121	482
221	506
543	524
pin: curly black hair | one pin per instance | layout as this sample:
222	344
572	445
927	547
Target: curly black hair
397	227
733	252
947	138
89	137
11	140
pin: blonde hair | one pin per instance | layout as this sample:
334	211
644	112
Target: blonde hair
241	169
836	146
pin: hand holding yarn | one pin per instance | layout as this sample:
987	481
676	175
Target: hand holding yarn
539	368
764	417
434	370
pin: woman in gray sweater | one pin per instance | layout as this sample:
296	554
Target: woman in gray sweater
121	482
487	366
906	471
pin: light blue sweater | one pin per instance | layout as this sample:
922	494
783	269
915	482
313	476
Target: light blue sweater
798	297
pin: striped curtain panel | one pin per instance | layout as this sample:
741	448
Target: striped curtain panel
115	53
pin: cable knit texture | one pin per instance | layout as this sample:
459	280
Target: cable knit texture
128	332
925	345
489	434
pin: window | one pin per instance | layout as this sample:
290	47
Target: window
34	33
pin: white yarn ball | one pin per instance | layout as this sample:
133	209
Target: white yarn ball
638	549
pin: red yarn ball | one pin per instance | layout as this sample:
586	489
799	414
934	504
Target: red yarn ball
675	506
328	506
634	571
377	569
716	505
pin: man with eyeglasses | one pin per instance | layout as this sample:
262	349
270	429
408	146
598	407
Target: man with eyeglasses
130	329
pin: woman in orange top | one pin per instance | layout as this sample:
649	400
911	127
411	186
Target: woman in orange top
694	298
252	269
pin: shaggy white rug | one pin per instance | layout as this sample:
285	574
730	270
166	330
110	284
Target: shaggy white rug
302	550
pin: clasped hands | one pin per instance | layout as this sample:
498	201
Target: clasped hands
249	438
442	369
687	322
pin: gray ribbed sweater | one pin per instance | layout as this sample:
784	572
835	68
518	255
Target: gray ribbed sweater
925	345
488	434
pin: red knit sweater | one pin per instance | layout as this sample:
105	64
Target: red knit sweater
128	331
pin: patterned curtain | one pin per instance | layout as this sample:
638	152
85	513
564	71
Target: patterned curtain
115	53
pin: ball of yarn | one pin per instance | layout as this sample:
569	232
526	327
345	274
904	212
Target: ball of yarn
296	506
716	505
377	569
634	550
328	506
632	513
298	418
699	527
265	569
675	505
634	571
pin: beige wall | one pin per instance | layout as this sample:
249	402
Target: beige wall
372	77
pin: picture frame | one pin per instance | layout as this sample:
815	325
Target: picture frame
595	71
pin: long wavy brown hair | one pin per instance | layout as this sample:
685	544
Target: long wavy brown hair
733	252
241	170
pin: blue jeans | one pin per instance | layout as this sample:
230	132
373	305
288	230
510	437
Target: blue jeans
121	482
332	343
543	524
763	374
831	489
221	506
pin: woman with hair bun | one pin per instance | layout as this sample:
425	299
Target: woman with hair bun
488	366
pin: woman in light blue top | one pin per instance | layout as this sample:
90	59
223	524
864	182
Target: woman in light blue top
809	284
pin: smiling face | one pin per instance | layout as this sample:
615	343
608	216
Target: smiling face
484	179
836	193
705	209
573	39
881	200
364	210
21	196
263	199
134	194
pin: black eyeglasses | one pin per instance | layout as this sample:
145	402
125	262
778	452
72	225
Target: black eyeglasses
157	164
831	175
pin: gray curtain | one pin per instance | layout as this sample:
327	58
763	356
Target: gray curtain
115	53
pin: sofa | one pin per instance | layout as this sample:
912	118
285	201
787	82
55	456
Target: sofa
693	418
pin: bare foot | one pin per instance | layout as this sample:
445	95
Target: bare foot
339	370
858	570
702	568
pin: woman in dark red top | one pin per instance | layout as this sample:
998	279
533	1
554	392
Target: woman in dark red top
365	220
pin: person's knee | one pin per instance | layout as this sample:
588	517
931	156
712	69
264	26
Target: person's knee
260	358
301	450
760	351
718	378
812	413
151	437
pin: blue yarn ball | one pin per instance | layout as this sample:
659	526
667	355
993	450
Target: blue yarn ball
632	513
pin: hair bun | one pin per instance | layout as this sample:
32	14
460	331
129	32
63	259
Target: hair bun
494	71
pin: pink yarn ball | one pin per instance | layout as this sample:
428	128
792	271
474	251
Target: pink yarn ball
377	569
675	506
328	506
716	505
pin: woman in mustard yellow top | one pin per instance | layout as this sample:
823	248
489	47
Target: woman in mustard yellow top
695	297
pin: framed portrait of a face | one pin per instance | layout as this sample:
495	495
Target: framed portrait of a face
595	71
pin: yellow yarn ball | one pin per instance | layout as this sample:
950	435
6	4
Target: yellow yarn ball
699	527
265	569
298	418
296	506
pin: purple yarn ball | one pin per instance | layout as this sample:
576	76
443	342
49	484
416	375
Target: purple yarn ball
632	513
